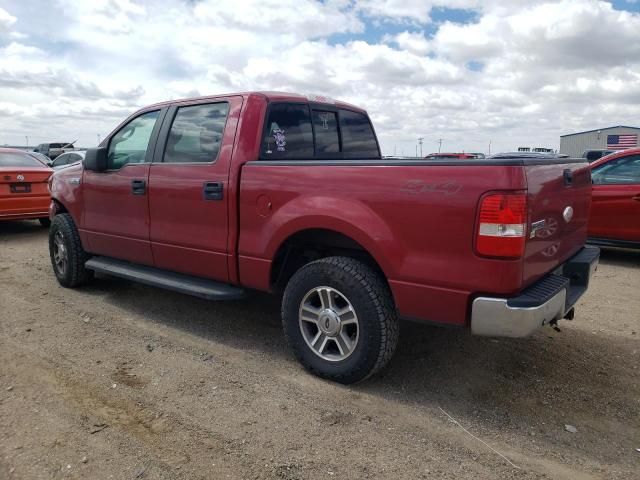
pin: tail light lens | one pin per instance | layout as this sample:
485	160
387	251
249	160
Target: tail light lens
502	225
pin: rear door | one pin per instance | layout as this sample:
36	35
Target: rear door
115	216
615	212
559	197
189	188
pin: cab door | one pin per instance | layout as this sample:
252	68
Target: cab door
189	188
615	207
115	219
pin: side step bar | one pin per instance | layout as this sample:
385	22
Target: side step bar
178	282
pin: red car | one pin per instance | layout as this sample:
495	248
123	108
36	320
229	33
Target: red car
615	208
280	192
23	187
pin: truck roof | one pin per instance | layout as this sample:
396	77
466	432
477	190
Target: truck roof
271	97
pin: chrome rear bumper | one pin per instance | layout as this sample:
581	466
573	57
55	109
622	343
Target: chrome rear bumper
546	301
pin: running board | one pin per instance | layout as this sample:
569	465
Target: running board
178	282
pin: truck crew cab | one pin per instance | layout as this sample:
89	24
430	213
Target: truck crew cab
286	193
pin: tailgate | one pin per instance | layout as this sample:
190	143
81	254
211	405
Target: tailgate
559	198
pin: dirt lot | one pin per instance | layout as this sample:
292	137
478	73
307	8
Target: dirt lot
123	381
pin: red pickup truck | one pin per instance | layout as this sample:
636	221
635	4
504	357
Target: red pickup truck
285	193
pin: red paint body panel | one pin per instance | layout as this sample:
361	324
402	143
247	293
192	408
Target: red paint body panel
418	221
116	222
615	211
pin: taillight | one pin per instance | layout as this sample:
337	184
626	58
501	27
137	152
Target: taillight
502	225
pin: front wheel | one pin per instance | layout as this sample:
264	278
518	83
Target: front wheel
66	252
340	320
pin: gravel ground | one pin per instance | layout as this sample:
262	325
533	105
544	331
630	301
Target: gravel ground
118	380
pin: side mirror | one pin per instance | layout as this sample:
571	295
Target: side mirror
50	163
96	159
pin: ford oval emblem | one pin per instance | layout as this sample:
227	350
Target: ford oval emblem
20	178
567	214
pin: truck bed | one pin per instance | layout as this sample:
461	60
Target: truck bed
418	220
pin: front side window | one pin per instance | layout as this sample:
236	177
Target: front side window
622	171
130	143
196	133
358	139
288	132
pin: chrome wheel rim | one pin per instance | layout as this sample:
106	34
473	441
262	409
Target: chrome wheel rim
60	254
329	324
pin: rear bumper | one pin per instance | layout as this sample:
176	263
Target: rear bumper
550	299
25	207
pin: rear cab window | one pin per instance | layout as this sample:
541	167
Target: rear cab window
308	131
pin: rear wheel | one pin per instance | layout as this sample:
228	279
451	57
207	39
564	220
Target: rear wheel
339	319
66	252
45	222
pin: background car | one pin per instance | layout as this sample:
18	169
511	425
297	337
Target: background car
52	150
615	206
596	153
41	157
66	159
24	193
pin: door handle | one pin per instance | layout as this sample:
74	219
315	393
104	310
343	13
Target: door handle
138	187
212	190
636	198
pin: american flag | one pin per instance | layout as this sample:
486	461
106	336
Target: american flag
620	142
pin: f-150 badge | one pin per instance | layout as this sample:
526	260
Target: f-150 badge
536	227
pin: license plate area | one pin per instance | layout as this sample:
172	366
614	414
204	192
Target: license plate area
20	188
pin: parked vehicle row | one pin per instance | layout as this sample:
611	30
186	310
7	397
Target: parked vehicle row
52	150
215	196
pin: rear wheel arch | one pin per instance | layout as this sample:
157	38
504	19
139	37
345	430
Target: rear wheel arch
308	245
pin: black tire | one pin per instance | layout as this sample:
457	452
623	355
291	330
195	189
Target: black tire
369	295
74	274
45	222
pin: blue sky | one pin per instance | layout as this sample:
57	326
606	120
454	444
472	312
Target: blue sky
517	73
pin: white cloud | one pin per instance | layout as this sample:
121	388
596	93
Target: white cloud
541	68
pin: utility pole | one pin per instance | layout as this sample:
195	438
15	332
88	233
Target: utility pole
489	147
439	144
420	143
99	139
26	137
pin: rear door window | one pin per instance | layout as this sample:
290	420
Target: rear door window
196	133
358	139
288	132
